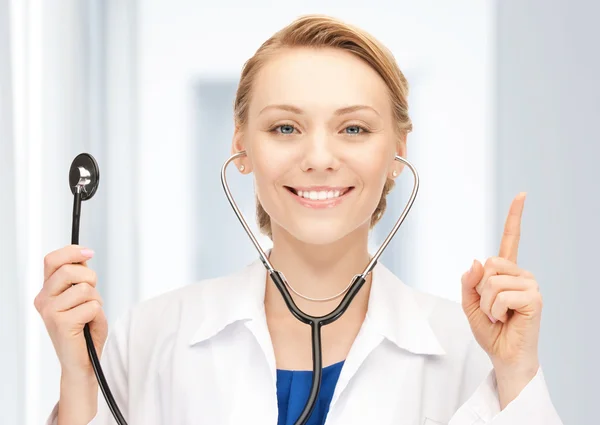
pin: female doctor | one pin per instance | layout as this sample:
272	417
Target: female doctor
321	110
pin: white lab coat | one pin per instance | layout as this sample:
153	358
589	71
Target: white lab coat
202	355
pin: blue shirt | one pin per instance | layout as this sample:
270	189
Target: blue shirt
293	387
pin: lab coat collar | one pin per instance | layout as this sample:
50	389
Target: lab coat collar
229	299
393	310
395	313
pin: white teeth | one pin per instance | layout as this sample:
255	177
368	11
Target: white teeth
319	195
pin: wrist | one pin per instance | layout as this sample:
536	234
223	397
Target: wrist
78	401
512	379
78	378
516	371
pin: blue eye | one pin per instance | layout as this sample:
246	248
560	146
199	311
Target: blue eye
287	129
284	129
355	130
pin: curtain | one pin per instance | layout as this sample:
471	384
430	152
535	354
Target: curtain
60	95
11	320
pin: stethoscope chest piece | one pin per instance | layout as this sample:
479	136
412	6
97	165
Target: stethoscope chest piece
84	173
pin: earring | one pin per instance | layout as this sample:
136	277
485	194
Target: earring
242	168
395	173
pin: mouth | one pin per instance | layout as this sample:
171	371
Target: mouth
321	193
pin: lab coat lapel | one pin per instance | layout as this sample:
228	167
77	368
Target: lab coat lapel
238	300
259	328
259	390
366	341
393	314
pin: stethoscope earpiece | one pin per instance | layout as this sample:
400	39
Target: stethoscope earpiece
85	175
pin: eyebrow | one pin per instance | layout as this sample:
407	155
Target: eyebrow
296	110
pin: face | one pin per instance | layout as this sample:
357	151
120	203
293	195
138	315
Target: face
320	141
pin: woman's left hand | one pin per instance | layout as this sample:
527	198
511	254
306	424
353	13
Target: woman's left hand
503	305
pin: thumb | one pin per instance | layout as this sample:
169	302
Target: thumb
470	280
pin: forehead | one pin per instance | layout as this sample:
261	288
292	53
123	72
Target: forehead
319	80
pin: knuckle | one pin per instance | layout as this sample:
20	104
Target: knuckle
95	306
93	277
71	272
47	261
501	298
62	272
492	262
84	289
512	231
534	285
492	282
37	302
537	299
484	302
47	314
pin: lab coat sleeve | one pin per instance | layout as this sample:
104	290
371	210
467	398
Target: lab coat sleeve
533	406
114	364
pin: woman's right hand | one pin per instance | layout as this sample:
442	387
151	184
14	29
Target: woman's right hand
67	301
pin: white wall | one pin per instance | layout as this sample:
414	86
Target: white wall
548	144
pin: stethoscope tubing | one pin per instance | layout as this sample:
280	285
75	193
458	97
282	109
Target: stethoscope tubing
110	400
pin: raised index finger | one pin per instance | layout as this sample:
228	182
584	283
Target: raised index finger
509	245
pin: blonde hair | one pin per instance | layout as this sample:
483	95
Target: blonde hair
320	31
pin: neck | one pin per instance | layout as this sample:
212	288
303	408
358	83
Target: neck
318	271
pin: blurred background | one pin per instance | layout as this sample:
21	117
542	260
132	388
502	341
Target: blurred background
505	97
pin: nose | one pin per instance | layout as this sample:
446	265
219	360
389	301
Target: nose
319	154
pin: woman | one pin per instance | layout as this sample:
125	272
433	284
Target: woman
321	111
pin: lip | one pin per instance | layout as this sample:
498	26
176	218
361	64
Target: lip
319	188
316	203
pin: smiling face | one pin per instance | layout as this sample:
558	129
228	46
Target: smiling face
320	141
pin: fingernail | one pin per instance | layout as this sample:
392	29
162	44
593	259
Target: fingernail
472	266
492	319
87	253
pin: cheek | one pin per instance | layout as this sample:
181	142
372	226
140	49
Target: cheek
374	188
373	168
374	173
264	178
269	168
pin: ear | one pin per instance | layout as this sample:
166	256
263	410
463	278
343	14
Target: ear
398	166
238	144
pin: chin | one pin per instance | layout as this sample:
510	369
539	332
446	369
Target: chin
319	232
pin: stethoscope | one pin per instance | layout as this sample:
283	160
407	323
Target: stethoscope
84	177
